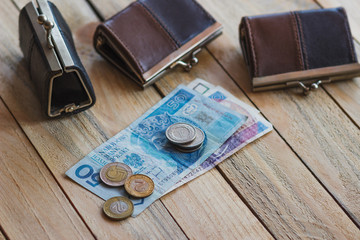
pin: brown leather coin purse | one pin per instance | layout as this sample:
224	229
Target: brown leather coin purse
302	48
150	37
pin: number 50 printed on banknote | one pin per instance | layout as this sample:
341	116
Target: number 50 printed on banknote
143	145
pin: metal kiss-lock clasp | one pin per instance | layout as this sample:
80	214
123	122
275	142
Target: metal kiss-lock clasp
193	61
312	87
48	25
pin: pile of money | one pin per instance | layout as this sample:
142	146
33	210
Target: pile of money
185	137
187	133
118	174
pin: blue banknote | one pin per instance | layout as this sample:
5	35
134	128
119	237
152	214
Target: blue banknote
144	147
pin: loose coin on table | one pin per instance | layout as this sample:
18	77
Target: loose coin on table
195	144
139	186
118	208
115	174
180	133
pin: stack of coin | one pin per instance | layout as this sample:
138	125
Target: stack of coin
118	174
185	137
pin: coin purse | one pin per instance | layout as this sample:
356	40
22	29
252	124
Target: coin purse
55	68
301	48
150	37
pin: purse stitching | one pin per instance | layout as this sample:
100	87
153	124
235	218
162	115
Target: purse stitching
125	46
297	40
174	44
303	41
349	37
165	27
248	23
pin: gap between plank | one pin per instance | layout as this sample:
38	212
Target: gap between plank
336	102
57	182
95	10
348	213
101	17
2	231
97	13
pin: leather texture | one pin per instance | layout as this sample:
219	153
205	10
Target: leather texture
148	31
326	38
67	88
183	19
295	41
273	49
139	37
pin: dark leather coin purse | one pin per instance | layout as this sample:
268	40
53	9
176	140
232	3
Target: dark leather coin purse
150	37
55	68
302	48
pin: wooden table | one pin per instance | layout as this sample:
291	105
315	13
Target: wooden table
301	181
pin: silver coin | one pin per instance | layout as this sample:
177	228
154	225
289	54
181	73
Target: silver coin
198	141
190	150
180	133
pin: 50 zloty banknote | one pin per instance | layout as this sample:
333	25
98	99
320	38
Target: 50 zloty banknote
254	127
144	147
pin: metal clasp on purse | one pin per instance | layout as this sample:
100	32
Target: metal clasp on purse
56	52
308	80
312	87
187	66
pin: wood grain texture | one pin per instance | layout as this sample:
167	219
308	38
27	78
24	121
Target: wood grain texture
2	237
32	204
287	196
61	143
213	226
267	174
347	94
271	178
314	126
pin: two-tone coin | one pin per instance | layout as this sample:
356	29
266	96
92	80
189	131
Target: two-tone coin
139	186
115	174
118	208
180	133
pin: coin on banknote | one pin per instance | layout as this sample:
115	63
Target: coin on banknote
139	186
115	174
196	143
118	208
180	133
190	150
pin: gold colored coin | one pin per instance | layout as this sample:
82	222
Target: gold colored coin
115	174
118	208
139	186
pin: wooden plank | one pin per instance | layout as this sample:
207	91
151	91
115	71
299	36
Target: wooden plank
270	177
28	188
208	202
347	94
314	126
63	142
2	237
211	228
267	174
